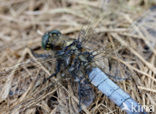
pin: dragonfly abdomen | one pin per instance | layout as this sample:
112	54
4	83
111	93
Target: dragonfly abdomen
114	92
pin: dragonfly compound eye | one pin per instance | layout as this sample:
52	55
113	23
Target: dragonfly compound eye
49	39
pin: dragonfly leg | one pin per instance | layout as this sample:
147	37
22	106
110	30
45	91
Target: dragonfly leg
57	70
52	75
117	78
79	95
44	56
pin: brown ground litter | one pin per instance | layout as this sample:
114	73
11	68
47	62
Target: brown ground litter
125	30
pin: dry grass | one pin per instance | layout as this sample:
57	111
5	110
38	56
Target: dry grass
126	44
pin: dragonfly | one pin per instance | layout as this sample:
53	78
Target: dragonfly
74	55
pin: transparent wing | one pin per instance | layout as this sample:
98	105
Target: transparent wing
86	94
122	54
104	48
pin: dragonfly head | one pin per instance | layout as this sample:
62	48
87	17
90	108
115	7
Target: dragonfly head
51	39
